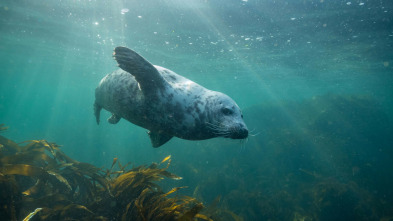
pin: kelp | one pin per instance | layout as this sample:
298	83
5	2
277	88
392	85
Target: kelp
3	127
39	182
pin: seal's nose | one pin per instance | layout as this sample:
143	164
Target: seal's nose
243	133
240	133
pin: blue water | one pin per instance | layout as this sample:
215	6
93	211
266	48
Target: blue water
314	80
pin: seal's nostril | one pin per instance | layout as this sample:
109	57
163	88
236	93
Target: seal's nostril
241	133
244	133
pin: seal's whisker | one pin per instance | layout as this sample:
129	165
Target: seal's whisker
243	143
253	135
222	132
216	128
216	125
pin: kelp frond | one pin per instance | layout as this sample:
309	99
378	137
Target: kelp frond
3	127
40	182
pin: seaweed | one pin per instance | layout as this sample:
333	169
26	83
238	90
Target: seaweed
39	182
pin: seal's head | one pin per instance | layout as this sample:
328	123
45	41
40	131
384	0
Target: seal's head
225	118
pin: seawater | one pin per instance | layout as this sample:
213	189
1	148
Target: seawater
313	78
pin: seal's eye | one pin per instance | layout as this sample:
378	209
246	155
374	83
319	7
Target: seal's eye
226	111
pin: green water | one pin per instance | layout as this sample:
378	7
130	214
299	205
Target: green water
314	80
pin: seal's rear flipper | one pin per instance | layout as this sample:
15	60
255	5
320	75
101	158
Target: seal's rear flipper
157	139
97	110
144	72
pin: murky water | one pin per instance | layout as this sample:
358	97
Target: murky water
314	80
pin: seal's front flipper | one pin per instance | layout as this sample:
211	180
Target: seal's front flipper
97	110
157	139
114	119
145	73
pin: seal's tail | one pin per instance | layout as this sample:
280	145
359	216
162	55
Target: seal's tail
97	110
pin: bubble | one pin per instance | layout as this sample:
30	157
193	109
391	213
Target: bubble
124	10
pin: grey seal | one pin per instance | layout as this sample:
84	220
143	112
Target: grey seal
165	103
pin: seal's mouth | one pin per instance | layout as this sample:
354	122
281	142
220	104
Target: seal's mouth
241	133
234	132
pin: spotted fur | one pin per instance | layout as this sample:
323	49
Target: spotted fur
166	103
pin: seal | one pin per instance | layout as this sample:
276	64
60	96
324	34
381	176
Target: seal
165	103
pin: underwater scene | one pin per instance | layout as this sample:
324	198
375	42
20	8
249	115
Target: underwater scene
307	135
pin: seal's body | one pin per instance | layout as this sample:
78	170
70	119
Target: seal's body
165	103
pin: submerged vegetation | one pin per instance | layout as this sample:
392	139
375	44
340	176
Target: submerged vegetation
327	158
39	182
